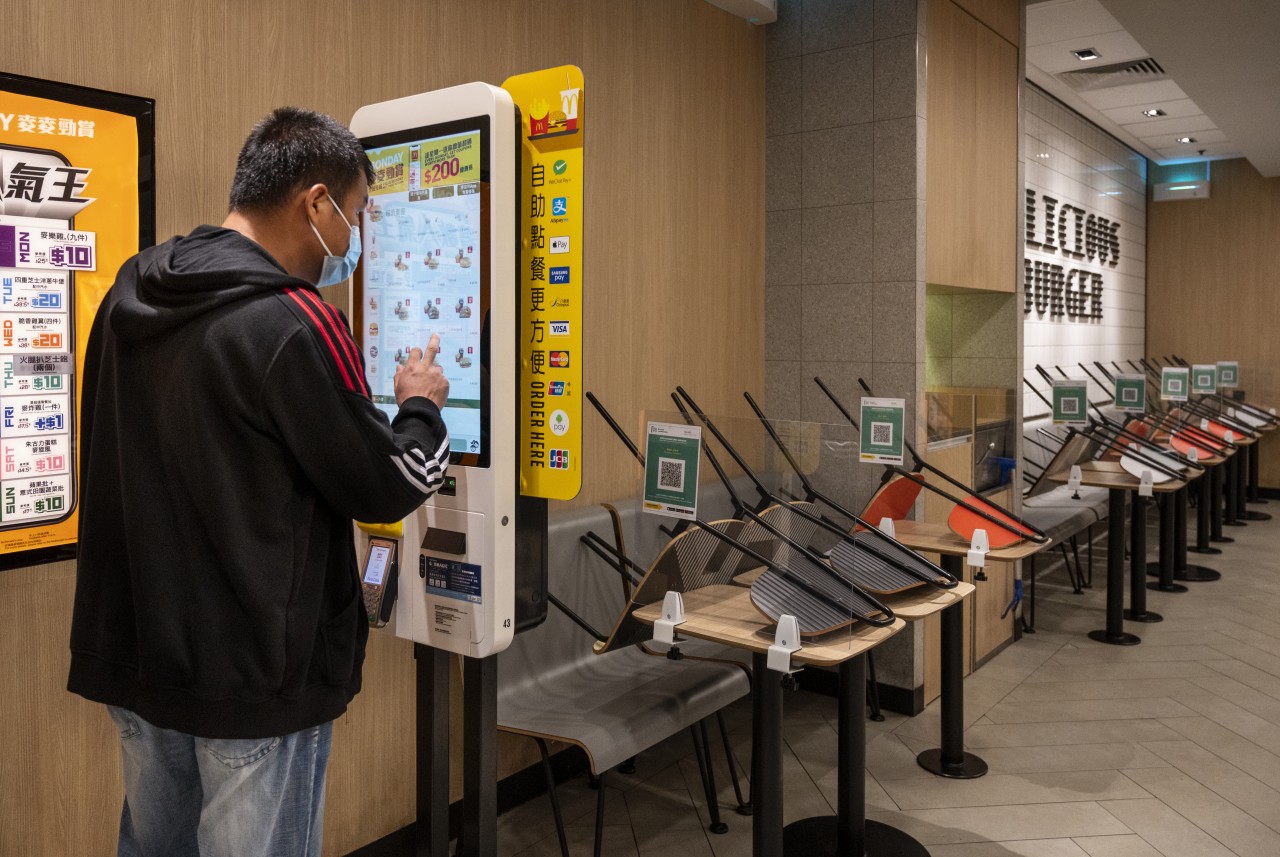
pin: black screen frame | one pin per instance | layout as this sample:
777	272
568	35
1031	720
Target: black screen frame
479	123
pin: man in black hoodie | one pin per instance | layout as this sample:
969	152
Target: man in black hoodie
227	442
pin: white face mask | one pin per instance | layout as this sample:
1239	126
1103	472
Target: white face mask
338	268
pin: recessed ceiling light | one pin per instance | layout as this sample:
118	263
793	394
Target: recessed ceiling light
1086	54
1154	112
1185	140
1043	155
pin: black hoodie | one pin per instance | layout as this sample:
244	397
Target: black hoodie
227	442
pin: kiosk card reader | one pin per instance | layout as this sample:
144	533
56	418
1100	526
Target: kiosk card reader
441	245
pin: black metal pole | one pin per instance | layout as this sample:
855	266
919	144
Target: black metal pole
1204	514
1167	563
432	690
1232	492
1137	611
951	760
766	758
1242	483
851	784
1255	468
1114	633
480	757
1218	477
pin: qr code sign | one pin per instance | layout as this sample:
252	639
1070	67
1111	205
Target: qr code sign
882	434
1070	406
671	474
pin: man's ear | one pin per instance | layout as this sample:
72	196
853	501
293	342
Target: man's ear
312	197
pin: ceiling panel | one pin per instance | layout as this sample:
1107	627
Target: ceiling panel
1134	94
1112	47
1132	114
1170	127
1192	153
1055	22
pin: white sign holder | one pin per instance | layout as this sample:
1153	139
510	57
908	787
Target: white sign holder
786	641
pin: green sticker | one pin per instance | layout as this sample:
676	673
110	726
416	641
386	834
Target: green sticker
1131	393
1228	373
1070	403
671	469
1174	383
882	430
559	167
1204	378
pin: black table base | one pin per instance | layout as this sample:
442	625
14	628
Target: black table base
1138	611
1114	634
1250	515
817	837
1186	574
951	760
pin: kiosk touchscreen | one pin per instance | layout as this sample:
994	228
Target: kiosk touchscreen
439	256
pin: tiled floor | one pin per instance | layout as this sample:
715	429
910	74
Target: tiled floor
1168	748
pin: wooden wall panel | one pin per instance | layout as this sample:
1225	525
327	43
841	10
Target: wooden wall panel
1002	16
674	259
1211	283
972	156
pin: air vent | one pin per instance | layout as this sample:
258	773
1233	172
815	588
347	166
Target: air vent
1118	74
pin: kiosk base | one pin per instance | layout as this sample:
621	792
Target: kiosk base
1163	587
1145	615
817	837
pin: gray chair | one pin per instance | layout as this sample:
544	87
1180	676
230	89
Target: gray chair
553	686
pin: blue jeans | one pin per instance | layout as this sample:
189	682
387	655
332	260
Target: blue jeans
211	797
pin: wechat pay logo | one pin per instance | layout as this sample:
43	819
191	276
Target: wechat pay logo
559	167
559	423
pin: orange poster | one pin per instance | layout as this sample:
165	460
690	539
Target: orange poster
77	199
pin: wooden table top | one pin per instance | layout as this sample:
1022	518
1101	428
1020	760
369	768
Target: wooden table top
724	614
1109	474
925	600
938	538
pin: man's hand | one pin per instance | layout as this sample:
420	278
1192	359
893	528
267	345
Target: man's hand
421	376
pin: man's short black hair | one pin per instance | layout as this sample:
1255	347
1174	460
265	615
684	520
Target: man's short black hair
293	149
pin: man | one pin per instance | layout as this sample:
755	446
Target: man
227	442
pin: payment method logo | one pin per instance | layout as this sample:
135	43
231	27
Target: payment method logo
559	459
559	423
559	244
559	206
559	275
559	328
559	167
559	359
556	388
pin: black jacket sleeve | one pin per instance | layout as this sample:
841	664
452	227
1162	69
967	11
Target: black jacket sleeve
365	467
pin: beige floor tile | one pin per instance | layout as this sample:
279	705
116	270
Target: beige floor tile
1073	757
1239	751
1051	691
1168	832
1099	654
664	821
1223	778
1087	709
1250	676
1012	789
1005	823
1020	848
1256	702
893	757
1124	670
1125	845
1077	732
1230	825
1258	730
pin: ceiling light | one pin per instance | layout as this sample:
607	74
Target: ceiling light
1043	155
1154	112
1086	54
1185	140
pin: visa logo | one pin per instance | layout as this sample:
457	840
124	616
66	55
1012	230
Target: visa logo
559	359
559	328
559	275
556	388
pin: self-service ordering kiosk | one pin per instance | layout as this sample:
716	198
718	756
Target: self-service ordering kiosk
440	253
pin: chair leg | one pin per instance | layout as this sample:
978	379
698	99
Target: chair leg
1089	536
600	814
628	767
703	754
555	800
873	690
1072	576
744	807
